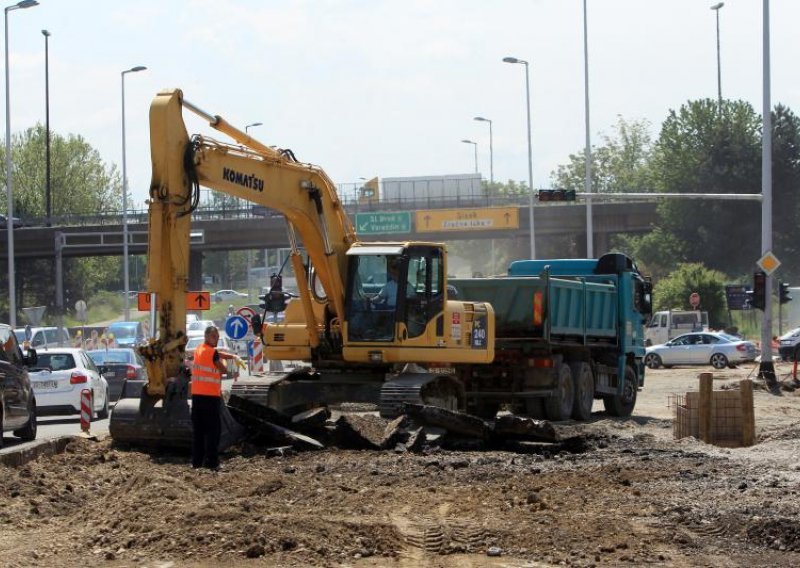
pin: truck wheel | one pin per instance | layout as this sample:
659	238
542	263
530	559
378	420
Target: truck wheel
622	405
559	406
584	390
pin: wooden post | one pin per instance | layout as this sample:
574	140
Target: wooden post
704	412
748	414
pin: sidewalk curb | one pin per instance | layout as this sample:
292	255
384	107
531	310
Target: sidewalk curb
20	457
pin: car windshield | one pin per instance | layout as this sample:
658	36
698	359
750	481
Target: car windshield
55	361
102	357
192	344
123	331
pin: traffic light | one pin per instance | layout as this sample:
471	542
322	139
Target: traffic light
783	292
757	297
556	195
275	299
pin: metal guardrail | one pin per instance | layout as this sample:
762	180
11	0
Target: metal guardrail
251	211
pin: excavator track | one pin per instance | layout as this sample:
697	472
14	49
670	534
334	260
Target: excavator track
420	388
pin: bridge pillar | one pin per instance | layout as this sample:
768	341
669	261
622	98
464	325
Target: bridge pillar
195	270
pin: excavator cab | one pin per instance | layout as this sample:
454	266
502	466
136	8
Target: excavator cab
394	292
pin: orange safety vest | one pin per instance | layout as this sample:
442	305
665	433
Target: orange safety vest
206	378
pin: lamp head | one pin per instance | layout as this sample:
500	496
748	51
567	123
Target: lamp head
27	4
717	6
510	60
138	68
468	142
45	33
481	119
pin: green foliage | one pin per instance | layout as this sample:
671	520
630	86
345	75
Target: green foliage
785	191
708	148
103	306
81	184
657	253
621	163
673	291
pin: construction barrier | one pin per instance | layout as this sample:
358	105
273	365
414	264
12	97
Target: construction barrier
257	365
86	409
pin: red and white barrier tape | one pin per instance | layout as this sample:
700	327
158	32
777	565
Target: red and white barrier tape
86	409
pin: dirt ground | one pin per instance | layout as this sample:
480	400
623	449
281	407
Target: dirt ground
615	493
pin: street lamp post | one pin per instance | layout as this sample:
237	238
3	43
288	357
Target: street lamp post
530	151
475	145
12	300
491	150
125	198
587	183
252	125
48	194
716	7
766	369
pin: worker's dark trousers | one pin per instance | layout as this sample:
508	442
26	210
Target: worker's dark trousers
205	430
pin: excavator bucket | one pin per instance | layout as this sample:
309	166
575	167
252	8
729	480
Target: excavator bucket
165	422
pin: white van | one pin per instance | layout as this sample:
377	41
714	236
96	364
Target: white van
664	326
41	337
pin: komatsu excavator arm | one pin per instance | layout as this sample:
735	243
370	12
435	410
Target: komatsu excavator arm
303	193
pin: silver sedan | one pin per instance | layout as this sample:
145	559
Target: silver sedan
719	350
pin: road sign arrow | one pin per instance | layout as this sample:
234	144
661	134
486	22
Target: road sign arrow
237	326
200	299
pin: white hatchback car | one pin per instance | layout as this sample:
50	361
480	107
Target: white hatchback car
59	377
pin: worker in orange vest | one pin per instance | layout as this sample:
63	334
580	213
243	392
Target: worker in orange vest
207	371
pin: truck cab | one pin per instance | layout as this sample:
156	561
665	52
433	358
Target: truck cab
665	325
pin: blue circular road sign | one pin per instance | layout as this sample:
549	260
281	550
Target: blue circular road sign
236	327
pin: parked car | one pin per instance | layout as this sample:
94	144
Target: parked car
224	344
127	333
42	337
197	328
17	398
719	350
59	377
118	366
15	222
225	295
789	346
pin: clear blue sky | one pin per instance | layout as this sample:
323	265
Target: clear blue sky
389	88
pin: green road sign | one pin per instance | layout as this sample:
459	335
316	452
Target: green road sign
383	222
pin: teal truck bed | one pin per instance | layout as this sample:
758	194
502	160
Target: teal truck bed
570	308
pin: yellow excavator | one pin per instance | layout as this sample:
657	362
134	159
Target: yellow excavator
372	320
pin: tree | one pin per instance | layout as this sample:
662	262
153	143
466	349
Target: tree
673	291
620	164
657	253
786	190
706	147
81	184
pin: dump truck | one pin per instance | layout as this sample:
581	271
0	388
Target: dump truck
567	332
